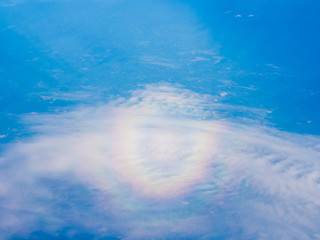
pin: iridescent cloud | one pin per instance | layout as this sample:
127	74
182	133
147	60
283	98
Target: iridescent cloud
163	163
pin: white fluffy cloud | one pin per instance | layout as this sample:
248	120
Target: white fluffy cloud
162	163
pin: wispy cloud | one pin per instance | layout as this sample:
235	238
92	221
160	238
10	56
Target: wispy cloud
67	96
10	3
164	163
154	60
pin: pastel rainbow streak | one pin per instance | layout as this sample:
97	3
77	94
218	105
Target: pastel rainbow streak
162	158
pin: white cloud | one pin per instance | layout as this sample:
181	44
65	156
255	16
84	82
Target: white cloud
67	96
10	3
154	60
223	94
142	159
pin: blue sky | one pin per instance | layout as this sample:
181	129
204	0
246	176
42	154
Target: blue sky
159	119
272	47
271	35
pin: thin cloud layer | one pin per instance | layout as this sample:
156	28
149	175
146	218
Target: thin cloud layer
163	163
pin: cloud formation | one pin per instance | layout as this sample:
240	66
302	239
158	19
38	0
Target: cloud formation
165	162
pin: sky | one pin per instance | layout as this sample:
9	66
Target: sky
159	119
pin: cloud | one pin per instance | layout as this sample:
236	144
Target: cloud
67	96
163	163
11	3
159	61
